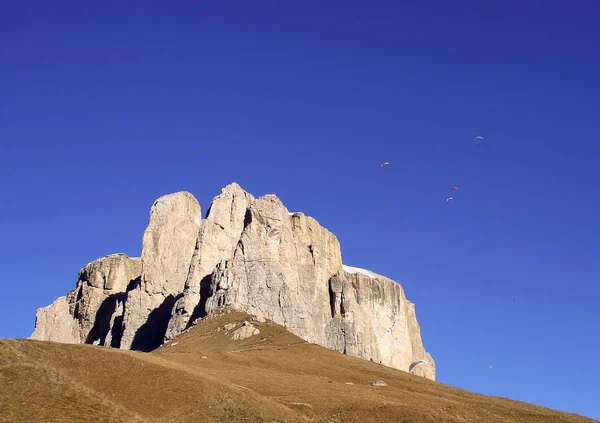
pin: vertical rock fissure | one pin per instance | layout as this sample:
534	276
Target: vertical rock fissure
331	299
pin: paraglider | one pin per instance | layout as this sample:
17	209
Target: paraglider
385	164
454	189
491	367
478	137
449	199
415	363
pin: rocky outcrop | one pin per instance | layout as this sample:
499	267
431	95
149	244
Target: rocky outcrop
100	296
247	254
168	245
280	270
55	323
246	330
289	269
371	317
87	314
217	240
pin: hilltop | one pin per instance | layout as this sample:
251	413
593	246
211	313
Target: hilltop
205	375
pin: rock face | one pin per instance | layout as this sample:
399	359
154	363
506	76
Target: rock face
87	314
280	270
217	240
56	323
167	249
371	317
248	254
99	297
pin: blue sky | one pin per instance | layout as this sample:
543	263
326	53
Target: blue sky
104	108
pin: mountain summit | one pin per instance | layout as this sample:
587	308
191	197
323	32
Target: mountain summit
248	254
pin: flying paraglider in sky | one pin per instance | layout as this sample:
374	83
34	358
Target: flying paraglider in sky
449	199
478	137
454	189
491	367
385	164
415	363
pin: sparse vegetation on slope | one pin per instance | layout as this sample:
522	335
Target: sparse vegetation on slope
204	375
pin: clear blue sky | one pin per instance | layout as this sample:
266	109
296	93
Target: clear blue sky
106	107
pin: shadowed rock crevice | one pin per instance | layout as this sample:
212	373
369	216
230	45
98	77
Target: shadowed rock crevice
207	212
102	321
108	322
331	299
335	295
312	254
247	218
151	334
134	283
200	309
76	305
116	332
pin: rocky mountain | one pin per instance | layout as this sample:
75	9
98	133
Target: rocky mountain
248	254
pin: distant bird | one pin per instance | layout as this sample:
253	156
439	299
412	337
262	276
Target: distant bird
385	164
449	199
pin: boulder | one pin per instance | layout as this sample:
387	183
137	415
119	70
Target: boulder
245	331
378	382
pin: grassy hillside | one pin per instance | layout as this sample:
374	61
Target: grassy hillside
206	376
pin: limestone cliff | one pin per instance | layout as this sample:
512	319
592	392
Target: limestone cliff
217	239
87	314
167	250
248	254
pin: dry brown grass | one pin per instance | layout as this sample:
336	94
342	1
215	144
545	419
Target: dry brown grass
272	377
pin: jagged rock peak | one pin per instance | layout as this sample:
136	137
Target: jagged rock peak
168	243
229	207
217	240
250	254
